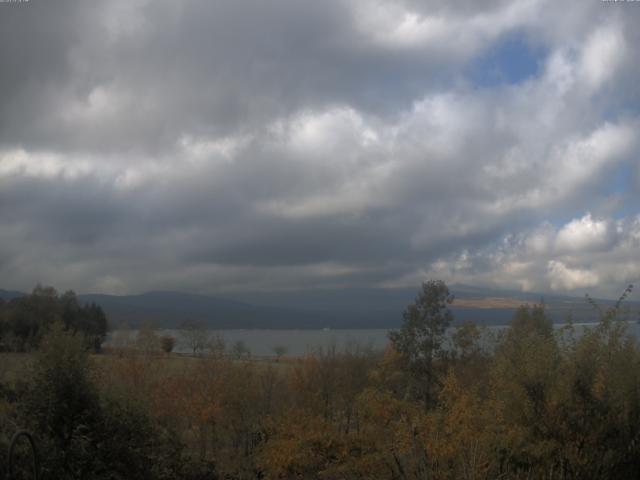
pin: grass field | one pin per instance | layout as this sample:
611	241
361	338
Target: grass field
15	366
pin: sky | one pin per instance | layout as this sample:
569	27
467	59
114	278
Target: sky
229	146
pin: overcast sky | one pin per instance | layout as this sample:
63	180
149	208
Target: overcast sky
224	146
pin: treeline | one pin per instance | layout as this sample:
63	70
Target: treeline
25	320
528	402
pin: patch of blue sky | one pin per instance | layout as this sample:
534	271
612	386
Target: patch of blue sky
510	60
619	185
625	185
622	107
623	178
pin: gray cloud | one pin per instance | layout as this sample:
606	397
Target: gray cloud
228	146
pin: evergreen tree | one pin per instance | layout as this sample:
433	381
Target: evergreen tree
420	338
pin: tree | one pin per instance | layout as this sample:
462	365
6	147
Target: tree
26	319
63	402
216	346
420	338
279	350
239	350
93	323
147	340
466	340
195	335
167	343
526	373
531	320
84	433
121	339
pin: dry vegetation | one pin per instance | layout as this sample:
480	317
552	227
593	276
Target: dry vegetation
542	404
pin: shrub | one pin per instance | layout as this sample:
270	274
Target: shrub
167	343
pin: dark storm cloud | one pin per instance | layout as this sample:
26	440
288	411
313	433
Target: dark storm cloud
137	76
36	41
214	146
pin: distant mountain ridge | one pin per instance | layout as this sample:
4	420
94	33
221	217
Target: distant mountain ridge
356	308
171	308
10	294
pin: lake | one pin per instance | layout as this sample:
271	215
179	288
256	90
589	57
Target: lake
261	343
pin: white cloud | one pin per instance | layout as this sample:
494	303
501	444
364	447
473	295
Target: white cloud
562	277
603	54
396	26
585	234
540	240
199	149
331	134
20	163
103	103
301	144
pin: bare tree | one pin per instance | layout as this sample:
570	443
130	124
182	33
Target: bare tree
121	340
195	335
279	350
147	340
217	346
240	350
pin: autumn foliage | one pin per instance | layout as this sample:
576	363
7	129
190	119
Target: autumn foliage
530	401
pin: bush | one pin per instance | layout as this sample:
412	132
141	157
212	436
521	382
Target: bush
167	343
83	435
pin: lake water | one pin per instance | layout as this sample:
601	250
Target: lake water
261	343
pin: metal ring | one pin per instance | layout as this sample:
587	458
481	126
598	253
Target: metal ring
12	445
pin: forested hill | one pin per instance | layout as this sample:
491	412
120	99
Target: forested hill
339	308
